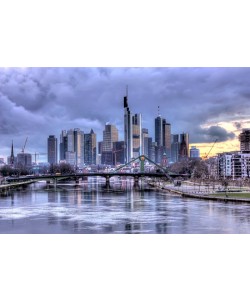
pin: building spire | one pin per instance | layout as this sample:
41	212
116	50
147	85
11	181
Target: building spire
158	111
12	155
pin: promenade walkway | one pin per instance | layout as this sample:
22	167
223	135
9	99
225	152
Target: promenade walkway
203	192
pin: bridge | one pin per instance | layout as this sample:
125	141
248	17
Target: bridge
55	178
76	176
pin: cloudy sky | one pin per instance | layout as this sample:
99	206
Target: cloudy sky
208	103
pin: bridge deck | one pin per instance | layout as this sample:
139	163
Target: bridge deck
82	175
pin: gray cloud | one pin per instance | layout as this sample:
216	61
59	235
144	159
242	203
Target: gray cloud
213	133
36	102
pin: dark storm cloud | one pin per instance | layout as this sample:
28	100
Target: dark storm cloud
213	133
36	102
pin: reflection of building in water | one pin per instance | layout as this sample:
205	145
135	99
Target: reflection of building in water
78	196
53	196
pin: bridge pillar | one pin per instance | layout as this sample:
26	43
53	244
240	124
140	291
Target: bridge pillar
77	180
142	163
107	181
136	181
55	182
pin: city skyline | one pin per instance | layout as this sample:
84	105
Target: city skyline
208	103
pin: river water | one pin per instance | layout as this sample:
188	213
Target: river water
91	208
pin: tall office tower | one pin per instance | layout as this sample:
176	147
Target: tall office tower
184	146
162	138
100	147
110	135
144	137
72	141
127	131
136	135
175	147
90	148
166	128
52	149
159	131
118	152
79	146
70	157
63	145
244	139
151	149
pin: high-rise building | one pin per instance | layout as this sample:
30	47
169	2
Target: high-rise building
144	137
110	136
151	149
52	149
194	152
24	160
184	146
159	131
90	148
100	147
136	135
127	131
166	128
118	152
162	138
72	141
175	147
63	144
70	157
244	139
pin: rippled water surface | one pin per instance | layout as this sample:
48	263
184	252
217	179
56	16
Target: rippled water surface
90	208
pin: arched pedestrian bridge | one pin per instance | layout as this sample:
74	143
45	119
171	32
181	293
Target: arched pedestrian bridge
55	178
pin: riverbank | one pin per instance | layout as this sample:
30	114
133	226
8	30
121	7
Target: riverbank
190	192
9	186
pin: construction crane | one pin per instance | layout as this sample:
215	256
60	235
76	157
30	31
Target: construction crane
206	155
36	154
24	145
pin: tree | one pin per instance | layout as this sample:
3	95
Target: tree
63	168
195	167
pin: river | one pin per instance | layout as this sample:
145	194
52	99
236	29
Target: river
91	208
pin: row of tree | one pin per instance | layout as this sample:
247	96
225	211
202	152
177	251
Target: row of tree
196	168
62	168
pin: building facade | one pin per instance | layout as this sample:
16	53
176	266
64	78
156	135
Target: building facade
24	160
90	148
110	136
144	137
244	139
233	165
52	149
163	139
72	141
194	152
184	146
136	135
127	131
175	147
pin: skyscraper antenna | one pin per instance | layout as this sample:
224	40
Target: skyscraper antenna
127	91
158	110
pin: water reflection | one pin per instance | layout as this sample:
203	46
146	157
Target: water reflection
91	207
